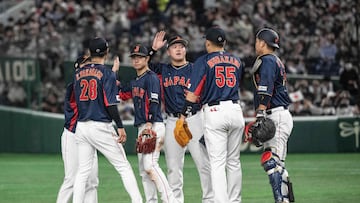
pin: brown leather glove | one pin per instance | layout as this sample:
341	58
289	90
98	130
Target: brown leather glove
146	142
182	133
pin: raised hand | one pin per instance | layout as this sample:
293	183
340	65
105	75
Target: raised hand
116	65
159	41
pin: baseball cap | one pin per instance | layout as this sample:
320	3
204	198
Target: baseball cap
177	39
139	50
98	46
216	35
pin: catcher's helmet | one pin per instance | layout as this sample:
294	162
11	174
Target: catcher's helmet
269	36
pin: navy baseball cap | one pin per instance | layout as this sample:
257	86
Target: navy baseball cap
139	50
177	39
98	46
216	35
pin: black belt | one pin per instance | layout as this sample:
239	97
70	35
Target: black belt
218	102
179	114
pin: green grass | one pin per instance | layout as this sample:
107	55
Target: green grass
317	178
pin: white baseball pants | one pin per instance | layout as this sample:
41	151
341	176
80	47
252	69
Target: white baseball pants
69	152
91	135
175	154
153	178
284	124
224	126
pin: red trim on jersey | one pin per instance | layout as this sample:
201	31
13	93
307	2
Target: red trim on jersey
125	95
147	107
161	88
200	87
73	106
106	102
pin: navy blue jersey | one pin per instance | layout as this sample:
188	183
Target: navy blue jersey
146	94
95	89
270	79
70	109
217	77
175	81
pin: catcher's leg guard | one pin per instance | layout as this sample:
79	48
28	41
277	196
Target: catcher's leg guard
278	176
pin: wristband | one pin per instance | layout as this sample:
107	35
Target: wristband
151	52
188	107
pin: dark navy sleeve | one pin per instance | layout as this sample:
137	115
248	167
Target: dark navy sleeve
110	89
198	76
267	73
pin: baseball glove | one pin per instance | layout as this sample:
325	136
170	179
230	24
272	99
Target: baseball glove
146	141
260	131
182	133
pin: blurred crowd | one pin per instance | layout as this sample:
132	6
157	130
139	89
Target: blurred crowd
316	38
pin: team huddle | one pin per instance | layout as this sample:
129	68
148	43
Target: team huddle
203	115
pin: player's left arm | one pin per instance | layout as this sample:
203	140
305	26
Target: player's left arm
154	95
265	88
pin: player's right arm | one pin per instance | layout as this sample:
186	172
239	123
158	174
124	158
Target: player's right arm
197	80
70	108
158	43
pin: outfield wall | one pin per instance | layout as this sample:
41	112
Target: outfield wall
24	131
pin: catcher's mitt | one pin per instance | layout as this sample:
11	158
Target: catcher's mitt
146	141
182	133
260	131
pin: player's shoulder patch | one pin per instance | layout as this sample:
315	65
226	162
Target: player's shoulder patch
154	95
262	88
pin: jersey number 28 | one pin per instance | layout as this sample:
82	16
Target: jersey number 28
88	90
225	75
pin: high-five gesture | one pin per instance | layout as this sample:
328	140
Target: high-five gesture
159	41
116	65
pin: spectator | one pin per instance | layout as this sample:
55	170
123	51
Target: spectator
16	95
349	79
55	27
328	51
343	106
327	105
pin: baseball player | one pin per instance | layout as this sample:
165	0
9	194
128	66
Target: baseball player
95	95
271	100
70	151
175	79
216	82
146	94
